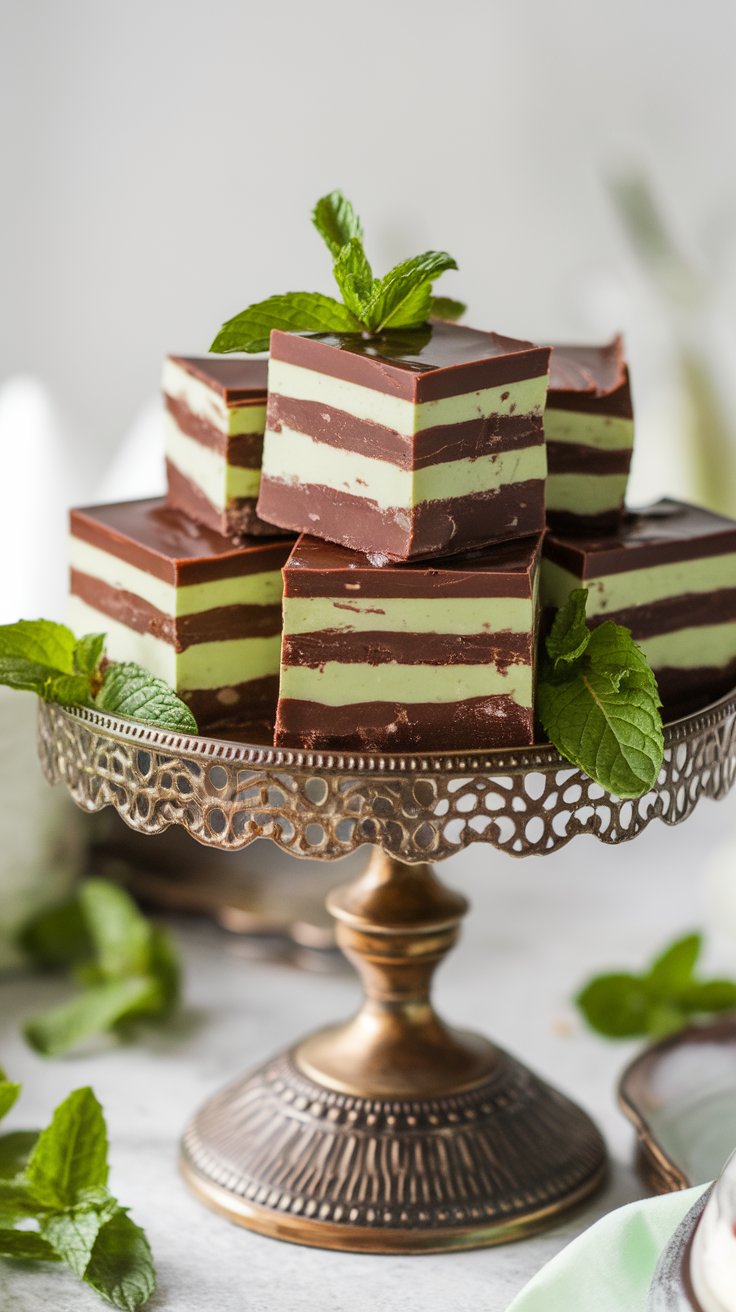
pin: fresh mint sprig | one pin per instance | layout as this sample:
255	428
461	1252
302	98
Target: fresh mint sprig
659	1001
128	967
598	702
401	300
57	1180
43	657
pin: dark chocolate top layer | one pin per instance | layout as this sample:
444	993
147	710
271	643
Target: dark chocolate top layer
322	569
590	378
236	380
656	535
154	537
418	365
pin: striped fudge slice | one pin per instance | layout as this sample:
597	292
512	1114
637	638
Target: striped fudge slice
589	427
183	601
669	576
426	656
412	445
215	413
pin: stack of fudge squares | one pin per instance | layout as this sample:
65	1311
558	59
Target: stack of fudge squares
450	488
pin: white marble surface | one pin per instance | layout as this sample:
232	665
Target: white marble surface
537	929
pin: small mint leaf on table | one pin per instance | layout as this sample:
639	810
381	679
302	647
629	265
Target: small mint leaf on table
336	222
294	312
443	307
73	1232
131	691
715	995
121	935
8	1094
71	1153
95	1011
615	1005
26	1244
121	1265
15	1150
403	298
58	937
672	973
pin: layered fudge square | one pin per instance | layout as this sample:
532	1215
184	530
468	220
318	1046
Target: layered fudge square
188	604
408	445
589	427
215	413
669	576
426	656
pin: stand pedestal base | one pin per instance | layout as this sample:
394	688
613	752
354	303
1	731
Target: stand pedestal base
296	1160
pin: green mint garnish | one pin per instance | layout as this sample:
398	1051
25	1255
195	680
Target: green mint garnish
58	1179
662	1000
403	299
598	702
43	657
128	966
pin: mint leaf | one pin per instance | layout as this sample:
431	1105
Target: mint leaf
403	298
336	221
71	1154
443	307
26	1244
121	1266
93	1012
598	703
57	937
40	641
15	1149
88	653
8	1094
354	277
616	1005
131	691
672	973
658	1002
294	312
121	935
73	1232
165	969
715	995
570	634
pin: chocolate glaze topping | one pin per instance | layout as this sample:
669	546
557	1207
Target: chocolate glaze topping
321	569
435	361
666	531
170	545
236	380
590	379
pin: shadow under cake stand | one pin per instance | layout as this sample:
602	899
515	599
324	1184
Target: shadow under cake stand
391	1132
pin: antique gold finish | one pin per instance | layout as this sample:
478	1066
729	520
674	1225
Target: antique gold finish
392	1132
395	924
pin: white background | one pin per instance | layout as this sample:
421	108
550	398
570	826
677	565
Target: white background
160	159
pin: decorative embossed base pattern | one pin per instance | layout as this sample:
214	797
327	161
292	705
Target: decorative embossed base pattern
282	1155
419	808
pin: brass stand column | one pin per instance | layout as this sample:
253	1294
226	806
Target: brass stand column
393	1132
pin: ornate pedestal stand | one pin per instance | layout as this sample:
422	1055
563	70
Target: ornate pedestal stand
393	1132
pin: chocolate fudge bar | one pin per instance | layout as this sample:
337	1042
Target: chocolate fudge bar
589	427
669	575
426	656
183	601
416	444
215	413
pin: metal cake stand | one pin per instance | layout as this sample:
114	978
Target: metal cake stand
391	1132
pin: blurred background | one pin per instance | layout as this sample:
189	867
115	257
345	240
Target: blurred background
160	160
